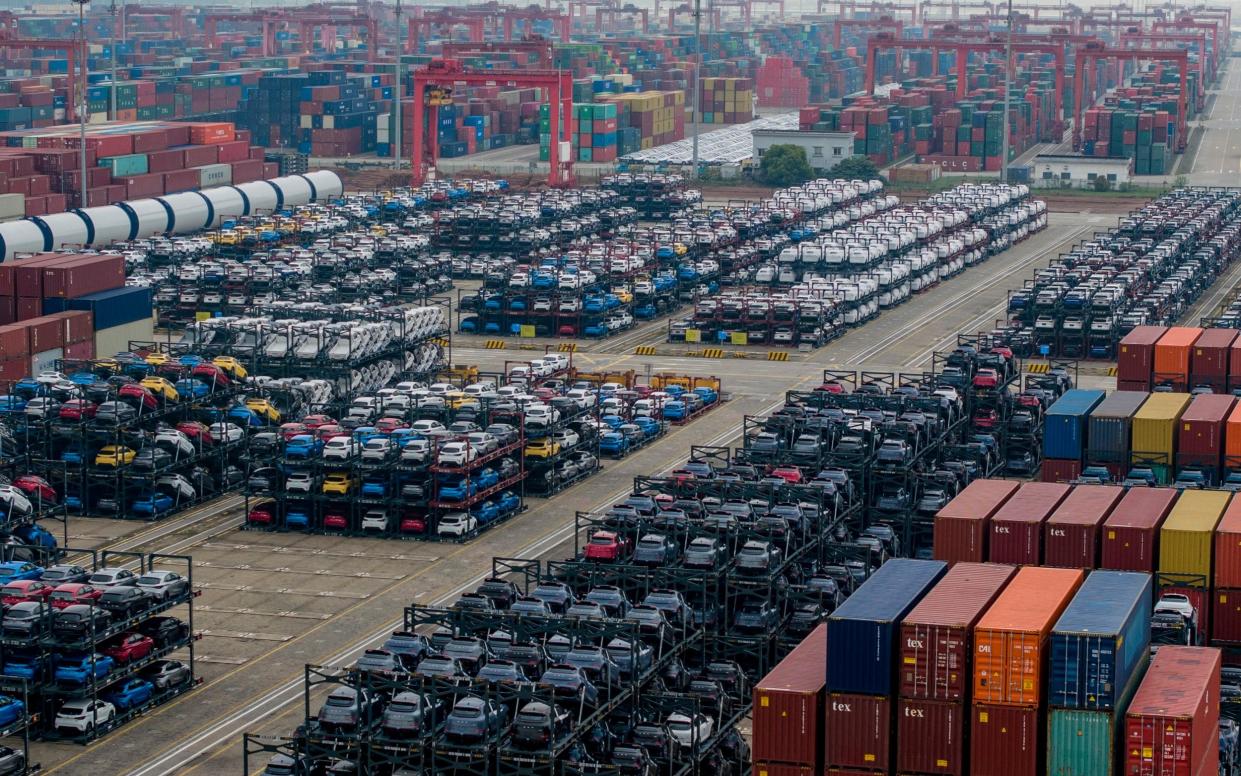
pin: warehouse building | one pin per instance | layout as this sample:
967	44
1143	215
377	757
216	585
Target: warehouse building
824	150
1079	172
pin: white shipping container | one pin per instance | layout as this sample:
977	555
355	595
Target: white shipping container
12	206
45	361
116	339
215	175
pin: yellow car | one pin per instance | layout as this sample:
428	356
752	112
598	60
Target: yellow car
110	364
680	249
115	456
230	365
542	448
264	409
161	388
157	359
623	295
339	483
455	400
227	237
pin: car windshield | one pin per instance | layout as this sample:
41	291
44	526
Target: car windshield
13	590
93	577
341	701
402	707
149	580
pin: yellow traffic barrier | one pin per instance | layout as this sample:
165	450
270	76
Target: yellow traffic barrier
644	350
1037	369
495	345
713	352
567	347
777	355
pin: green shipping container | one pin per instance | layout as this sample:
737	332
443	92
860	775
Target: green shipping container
1089	743
123	166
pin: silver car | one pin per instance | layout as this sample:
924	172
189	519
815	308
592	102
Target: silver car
112	577
163	585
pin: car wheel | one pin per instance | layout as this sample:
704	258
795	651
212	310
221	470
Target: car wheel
90	728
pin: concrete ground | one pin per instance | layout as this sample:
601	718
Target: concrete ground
272	603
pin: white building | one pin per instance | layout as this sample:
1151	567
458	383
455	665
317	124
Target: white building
824	150
1079	172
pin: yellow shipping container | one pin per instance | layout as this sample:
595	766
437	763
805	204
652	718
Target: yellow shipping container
1188	535
1154	428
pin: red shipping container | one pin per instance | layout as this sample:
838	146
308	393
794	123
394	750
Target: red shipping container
858	731
14	342
1200	434
1226	615
46	333
79	325
236	151
165	161
962	526
1071	534
1135	360
8	310
1228	547
200	155
142	186
937	636
1005	740
1234	364
1017	528
12	370
82	275
181	180
1172	725
782	769
83	351
1060	470
788	705
153	141
1208	362
930	737
29	307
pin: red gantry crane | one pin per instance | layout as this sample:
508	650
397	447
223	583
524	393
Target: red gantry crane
445	20
609	14
268	20
327	25
75	52
540	47
882	23
713	15
130	11
1187	24
433	87
561	22
1132	38
1089	54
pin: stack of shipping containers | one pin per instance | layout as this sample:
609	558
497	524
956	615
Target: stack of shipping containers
1185	545
1135	358
862	645
1172	355
1131	533
1154	430
1064	433
1200	434
1172	726
1108	431
1226	577
1017	528
788	712
1071	535
963	525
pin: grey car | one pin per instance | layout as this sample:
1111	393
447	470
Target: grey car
11	761
165	674
409	714
25	620
163	585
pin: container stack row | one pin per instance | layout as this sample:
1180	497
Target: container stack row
1179	358
727	100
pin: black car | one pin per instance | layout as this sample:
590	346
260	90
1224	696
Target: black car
756	616
74	623
347	709
443	667
152	458
502	592
673	604
473	719
611	598
124	602
557	595
165	631
12	761
652	624
538	725
570	683
656	550
470	652
409	647
25	620
381	662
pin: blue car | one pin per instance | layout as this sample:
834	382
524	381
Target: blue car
469	325
190	361
191	389
508	501
614	443
375	487
595	330
486	478
24	665
72	455
650	427
458	491
152	504
129	694
11	710
612	421
644	311
12	405
36	535
245	417
13	570
82	378
486	512
365	434
297	520
675	410
491	328
79	670
707	395
28	388
303	447
73	503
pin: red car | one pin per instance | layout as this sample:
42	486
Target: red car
290	430
331	431
313	422
263	514
985	418
37	488
1001	350
413	525
212	374
831	388
388	425
128	647
73	593
140	395
21	590
566	331
986	378
544	394
335	522
607	547
197	432
790	474
78	409
682	476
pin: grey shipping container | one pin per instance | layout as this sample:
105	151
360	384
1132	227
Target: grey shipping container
1109	434
45	361
862	634
115	340
12	206
1100	640
215	175
1064	428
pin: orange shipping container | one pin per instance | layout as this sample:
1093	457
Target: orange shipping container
1232	439
1010	638
1172	353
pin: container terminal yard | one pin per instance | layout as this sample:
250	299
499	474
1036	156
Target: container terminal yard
587	388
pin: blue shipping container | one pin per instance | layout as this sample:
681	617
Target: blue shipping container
1064	435
1100	640
862	633
109	308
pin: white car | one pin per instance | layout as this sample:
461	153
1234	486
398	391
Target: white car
1179	604
299	482
566	438
542	413
583	398
163	585
429	427
457	524
226	432
690	731
84	715
378	449
341	448
14	500
375	520
456	453
415	450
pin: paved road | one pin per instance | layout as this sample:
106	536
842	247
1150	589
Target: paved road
1218	158
274	602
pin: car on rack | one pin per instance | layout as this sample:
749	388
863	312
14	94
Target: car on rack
124	602
163	585
457	524
20	590
80	668
128	647
84	716
129	693
607	547
166	674
112	576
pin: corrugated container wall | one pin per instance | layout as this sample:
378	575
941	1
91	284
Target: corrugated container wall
1083	743
1227	564
936	637
1232	439
1064	431
1171	728
1172	353
1154	429
1188	537
1017	528
788	705
1200	440
1010	639
858	733
783	769
963	525
1131	533
1208	363
1071	534
1100	641
1006	740
1135	358
862	633
1108	435
930	736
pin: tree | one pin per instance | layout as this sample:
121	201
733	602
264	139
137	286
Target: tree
1102	183
785	165
856	168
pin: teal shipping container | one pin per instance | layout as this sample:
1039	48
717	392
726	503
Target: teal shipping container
1090	743
124	166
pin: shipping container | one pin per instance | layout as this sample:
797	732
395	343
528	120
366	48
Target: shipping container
962	526
1200	440
1084	743
1071	535
1006	740
1227	561
937	635
1011	638
1060	470
783	769
109	342
1135	362
858	733
1155	429
788	706
1017	528
1108	435
1232	440
81	275
110	308
1234	365
1171	728
1172	354
1131	533
1100	641
1188	536
14	342
862	633
1064	431
930	736
1225	625
1208	364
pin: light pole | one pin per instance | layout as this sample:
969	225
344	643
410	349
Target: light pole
397	89
1008	95
694	112
112	100
82	102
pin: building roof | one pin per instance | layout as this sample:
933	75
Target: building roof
805	133
1077	158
